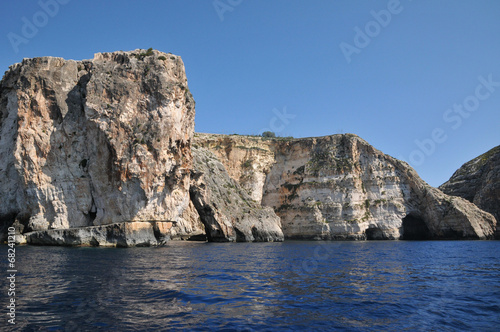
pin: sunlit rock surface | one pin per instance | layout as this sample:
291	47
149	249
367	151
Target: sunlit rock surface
100	152
95	142
340	187
229	213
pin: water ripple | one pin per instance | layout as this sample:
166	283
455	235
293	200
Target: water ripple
294	286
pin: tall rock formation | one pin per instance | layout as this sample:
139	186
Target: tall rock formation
340	187
101	152
98	152
478	181
95	142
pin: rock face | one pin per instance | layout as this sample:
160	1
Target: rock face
478	181
340	187
126	234
229	213
95	142
99	152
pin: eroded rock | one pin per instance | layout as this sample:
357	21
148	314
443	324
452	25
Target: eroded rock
340	187
228	212
126	234
95	142
98	152
478	181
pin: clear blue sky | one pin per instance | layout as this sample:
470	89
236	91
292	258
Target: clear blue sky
249	60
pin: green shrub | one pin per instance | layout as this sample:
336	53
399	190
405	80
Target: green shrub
247	164
268	134
141	56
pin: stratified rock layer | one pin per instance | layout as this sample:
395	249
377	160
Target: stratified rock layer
228	212
478	181
340	187
126	234
95	142
98	152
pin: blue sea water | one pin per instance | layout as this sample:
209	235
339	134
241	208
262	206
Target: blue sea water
306	286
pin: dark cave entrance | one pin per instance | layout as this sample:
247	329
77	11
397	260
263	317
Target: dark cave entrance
375	233
414	228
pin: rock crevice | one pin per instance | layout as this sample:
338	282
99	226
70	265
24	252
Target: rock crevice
228	212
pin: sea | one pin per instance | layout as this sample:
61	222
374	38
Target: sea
288	286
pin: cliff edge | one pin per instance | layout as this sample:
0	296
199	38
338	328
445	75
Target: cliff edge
95	142
103	152
340	187
98	152
478	181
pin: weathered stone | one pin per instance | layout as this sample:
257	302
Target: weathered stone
228	212
248	160
340	187
95	142
189	227
126	234
478	181
98	152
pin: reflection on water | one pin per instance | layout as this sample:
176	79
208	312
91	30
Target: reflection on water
261	286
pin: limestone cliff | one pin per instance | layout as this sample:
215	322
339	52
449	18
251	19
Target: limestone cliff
98	152
478	181
340	187
95	142
101	152
229	213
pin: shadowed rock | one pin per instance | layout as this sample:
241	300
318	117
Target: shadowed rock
228	212
478	181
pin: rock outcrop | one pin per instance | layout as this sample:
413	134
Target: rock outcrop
229	213
95	142
340	187
125	234
101	152
478	181
98	152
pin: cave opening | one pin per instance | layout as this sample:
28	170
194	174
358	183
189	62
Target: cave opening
91	215
374	233
415	228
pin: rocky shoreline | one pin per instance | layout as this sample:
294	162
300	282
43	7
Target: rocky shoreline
103	152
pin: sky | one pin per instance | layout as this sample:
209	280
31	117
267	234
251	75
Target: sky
417	79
